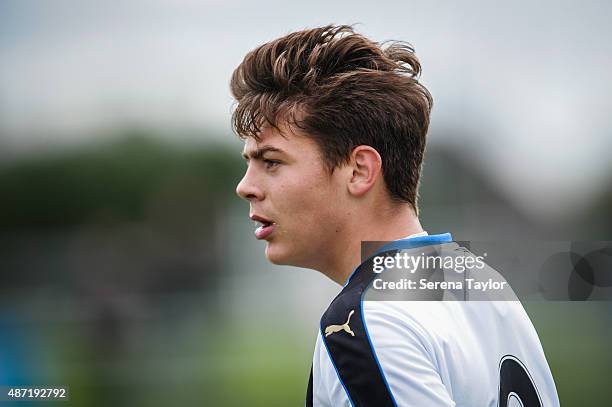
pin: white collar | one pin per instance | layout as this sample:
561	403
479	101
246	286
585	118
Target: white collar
423	233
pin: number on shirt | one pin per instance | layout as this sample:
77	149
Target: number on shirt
516	384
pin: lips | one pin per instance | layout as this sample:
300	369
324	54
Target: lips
265	229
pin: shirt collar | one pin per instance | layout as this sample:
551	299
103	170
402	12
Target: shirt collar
423	233
409	242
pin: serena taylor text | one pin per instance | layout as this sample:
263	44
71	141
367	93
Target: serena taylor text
424	284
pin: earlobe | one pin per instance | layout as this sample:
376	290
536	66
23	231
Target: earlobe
366	166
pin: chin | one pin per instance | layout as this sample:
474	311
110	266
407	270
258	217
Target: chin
276	255
282	256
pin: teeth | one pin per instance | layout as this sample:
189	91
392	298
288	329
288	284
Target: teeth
259	223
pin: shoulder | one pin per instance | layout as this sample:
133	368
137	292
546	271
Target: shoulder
380	355
377	351
345	336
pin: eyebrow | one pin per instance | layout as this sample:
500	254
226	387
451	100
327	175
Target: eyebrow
259	153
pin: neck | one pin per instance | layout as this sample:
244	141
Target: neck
346	255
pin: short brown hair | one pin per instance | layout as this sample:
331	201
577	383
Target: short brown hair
348	91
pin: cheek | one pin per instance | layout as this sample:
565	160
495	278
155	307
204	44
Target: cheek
312	208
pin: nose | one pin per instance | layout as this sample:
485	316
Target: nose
248	189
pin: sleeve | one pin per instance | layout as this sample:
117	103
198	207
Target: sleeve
404	357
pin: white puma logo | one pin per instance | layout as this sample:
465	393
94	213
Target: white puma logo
337	328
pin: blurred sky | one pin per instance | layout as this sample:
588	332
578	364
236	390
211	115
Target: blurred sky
522	88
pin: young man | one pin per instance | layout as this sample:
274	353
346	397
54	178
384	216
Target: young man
335	128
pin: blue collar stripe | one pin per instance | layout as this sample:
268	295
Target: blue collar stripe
416	241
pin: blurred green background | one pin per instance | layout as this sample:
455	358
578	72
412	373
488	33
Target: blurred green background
129	269
130	274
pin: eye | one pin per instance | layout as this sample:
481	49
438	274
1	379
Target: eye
270	164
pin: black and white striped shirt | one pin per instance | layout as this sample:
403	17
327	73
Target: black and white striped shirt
426	353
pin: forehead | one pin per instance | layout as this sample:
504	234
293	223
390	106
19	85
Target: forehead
287	140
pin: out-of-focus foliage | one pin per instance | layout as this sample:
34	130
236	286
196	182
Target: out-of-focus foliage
113	181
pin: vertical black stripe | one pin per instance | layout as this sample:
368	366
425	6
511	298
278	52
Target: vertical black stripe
353	356
309	390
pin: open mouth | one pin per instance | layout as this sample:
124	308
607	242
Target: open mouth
265	228
264	224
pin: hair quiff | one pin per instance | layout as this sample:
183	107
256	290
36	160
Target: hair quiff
343	90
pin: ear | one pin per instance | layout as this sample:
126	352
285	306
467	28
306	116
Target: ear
366	167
